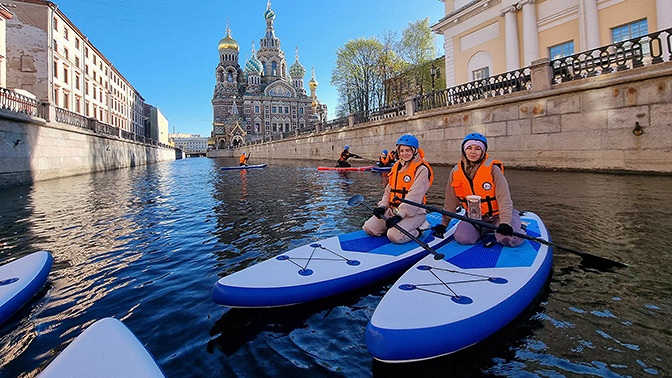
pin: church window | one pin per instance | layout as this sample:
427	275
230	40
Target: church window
229	77
287	109
256	109
274	68
300	110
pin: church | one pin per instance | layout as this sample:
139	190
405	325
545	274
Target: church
260	101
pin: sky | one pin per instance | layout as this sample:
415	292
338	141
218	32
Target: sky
167	49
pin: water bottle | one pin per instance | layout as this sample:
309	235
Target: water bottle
474	207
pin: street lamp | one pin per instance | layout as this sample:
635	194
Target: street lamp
434	72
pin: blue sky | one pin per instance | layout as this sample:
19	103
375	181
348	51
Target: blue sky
167	49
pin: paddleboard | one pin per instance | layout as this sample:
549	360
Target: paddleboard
366	168
105	349
20	280
254	166
381	169
440	307
325	268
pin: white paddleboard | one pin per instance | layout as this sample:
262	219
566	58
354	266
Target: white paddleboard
329	267
440	307
106	349
20	280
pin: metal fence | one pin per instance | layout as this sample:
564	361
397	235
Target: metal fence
16	102
653	48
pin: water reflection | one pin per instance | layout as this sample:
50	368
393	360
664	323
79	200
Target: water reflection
146	245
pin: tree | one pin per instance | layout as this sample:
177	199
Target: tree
356	75
416	48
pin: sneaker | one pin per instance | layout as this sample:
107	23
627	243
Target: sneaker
423	227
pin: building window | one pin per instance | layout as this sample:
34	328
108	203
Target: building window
481	73
65	74
300	110
273	109
256	109
77	78
632	30
286	109
55	69
65	33
562	50
77	43
55	23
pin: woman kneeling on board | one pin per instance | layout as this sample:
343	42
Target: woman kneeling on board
409	178
480	179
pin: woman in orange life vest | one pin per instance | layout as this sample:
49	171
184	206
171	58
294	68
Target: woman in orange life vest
384	159
243	159
409	178
480	175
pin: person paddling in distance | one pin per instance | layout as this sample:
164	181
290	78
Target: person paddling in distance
478	175
385	159
243	159
345	155
409	178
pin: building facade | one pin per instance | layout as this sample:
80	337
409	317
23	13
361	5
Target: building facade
50	57
489	37
190	144
261	100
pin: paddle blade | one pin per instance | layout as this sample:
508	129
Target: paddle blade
356	200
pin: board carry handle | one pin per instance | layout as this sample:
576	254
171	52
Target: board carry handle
358	199
604	263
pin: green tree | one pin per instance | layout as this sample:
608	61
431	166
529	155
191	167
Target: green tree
356	75
416	48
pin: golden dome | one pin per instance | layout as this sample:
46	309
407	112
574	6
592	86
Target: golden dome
227	43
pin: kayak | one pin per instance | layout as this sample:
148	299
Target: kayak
328	267
244	167
105	349
440	307
381	169
366	168
21	279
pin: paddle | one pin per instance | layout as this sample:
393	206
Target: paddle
358	199
587	257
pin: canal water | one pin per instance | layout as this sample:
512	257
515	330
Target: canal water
145	245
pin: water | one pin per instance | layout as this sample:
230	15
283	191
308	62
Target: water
145	245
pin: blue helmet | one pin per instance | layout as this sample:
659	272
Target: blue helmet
408	140
475	136
346	148
385	152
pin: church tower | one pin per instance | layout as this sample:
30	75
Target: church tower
261	101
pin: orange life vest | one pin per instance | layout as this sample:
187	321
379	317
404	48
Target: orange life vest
242	159
400	183
385	160
482	185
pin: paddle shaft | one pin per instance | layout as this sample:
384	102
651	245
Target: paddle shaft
437	256
518	234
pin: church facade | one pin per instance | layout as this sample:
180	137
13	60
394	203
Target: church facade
264	99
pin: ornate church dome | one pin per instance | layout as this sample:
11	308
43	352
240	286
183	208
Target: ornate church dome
254	66
296	69
269	14
312	83
228	43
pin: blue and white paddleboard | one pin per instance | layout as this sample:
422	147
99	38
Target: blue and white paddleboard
254	166
381	169
20	280
440	307
322	269
105	349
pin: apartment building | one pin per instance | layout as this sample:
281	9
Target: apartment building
50	57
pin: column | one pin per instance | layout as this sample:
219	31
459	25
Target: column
590	23
511	35
530	32
664	14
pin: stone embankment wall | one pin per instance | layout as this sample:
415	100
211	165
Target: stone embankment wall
591	124
32	150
